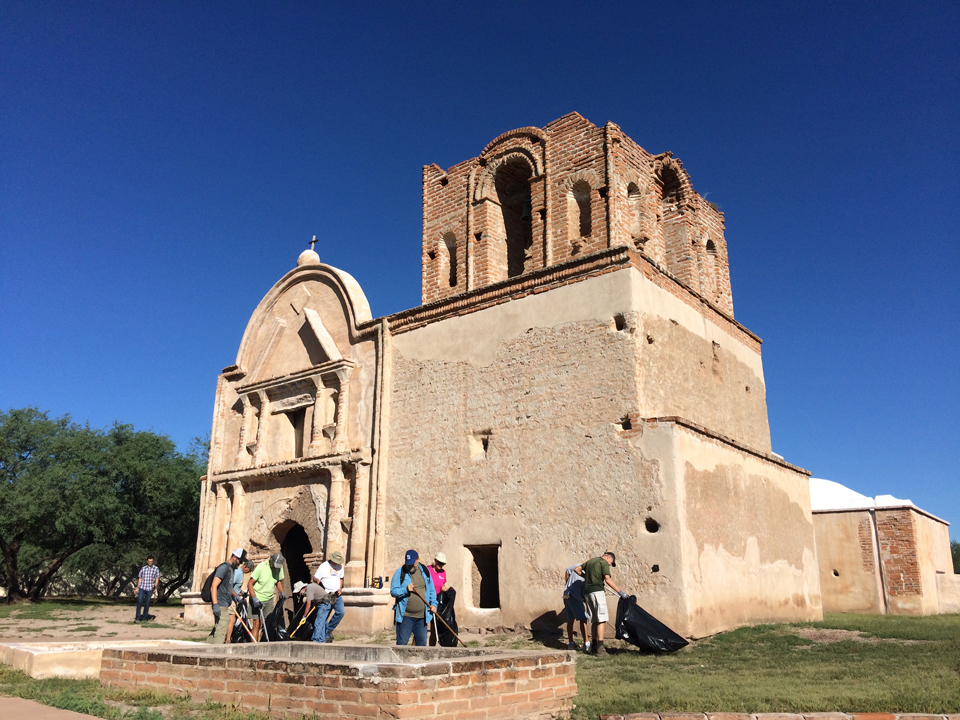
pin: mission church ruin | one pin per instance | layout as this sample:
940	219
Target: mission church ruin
574	382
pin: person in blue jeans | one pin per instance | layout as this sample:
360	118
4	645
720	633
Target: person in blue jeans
316	596
146	584
411	585
330	577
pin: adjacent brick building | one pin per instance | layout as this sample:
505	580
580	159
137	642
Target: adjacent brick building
881	555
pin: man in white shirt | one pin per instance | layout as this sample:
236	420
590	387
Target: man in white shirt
330	576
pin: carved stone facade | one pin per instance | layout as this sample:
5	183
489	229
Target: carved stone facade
574	382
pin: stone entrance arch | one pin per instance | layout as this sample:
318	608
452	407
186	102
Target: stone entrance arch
294	544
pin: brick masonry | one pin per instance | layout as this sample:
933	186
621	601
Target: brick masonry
524	685
536	197
898	552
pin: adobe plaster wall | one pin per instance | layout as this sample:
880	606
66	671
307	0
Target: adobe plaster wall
544	382
846	550
747	541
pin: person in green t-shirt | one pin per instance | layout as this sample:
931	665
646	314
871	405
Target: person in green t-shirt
596	573
265	577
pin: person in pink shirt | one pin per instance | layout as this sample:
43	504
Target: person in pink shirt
439	577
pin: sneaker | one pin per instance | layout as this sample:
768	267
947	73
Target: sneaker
571	645
586	646
330	638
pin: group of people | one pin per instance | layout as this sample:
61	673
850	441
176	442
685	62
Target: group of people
415	588
585	600
264	589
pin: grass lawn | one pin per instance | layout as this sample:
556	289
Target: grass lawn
847	663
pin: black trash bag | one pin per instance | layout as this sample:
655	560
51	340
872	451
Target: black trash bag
445	601
276	627
640	628
296	631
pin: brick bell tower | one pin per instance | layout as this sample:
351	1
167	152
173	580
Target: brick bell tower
536	197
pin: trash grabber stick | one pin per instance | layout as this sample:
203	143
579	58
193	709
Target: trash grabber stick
263	624
303	620
236	610
417	593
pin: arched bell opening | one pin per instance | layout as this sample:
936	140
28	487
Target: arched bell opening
512	183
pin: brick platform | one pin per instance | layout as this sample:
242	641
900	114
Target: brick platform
290	679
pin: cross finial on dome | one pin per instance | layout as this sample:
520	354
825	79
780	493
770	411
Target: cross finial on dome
309	257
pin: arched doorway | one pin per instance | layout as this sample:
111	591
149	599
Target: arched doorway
294	544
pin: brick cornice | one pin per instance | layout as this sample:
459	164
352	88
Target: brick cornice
566	273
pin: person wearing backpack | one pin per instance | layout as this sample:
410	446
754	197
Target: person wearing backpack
410	586
221	594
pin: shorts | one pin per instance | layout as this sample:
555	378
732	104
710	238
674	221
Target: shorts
574	608
597	607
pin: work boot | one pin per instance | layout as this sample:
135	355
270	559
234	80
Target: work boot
600	650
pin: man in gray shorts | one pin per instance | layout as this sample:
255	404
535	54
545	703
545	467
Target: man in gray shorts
596	572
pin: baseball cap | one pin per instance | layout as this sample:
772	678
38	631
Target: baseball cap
239	553
276	560
411	557
613	558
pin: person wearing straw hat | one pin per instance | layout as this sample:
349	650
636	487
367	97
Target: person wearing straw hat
415	600
330	577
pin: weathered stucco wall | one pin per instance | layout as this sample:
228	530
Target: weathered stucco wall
507	430
747	536
846	551
503	432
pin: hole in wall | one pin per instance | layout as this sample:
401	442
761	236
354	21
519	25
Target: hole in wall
625	423
432	255
478	236
836	573
655	568
602	192
479	444
649	339
485	575
747	389
444	181
651	525
619	322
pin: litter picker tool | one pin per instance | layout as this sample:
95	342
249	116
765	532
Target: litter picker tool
240	620
417	593
302	621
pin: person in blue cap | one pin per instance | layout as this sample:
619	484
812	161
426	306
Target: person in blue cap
415	600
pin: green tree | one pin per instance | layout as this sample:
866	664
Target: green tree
93	504
57	495
955	551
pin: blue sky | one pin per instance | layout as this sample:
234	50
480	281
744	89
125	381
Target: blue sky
163	164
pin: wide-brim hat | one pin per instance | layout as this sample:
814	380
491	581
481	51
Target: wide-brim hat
298	586
440	558
337	557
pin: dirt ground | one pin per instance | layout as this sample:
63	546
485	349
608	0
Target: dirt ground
70	620
82	621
